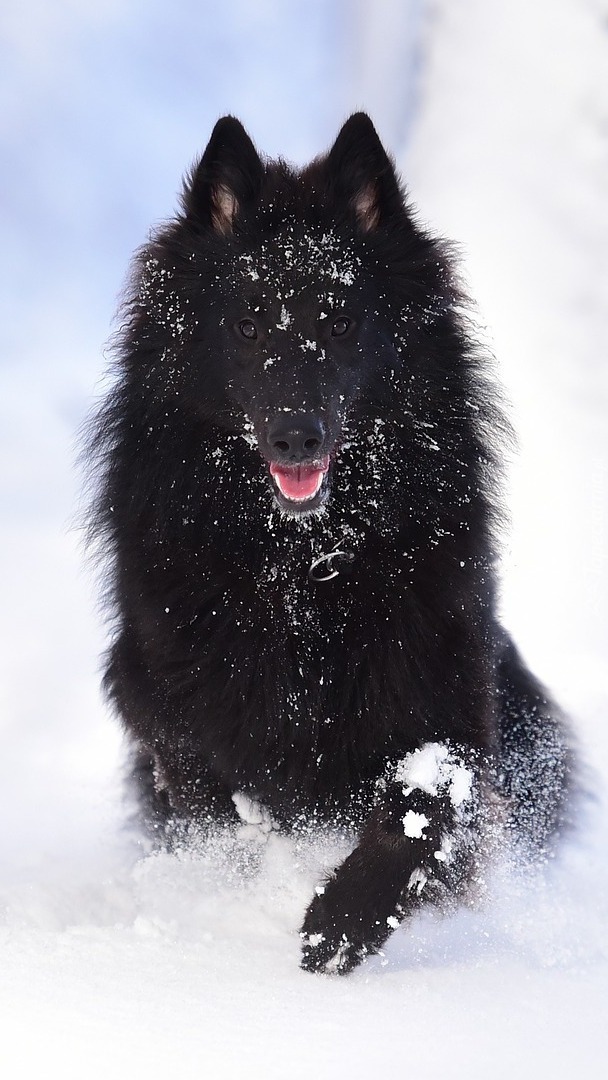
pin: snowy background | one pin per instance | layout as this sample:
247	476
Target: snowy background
116	964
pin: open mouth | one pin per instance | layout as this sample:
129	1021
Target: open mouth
300	487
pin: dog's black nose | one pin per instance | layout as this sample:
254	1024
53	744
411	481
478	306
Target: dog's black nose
296	438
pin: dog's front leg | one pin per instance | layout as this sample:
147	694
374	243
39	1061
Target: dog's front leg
417	846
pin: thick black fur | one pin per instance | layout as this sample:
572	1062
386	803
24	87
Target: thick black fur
303	319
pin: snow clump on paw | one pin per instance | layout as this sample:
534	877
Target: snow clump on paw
435	769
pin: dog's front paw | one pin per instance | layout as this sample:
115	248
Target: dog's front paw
337	935
330	955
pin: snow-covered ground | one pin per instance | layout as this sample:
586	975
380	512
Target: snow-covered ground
118	964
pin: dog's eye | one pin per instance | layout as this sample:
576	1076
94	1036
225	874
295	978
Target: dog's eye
339	327
248	329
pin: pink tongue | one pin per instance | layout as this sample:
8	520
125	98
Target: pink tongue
299	482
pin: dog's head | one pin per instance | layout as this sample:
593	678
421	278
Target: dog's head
288	291
299	338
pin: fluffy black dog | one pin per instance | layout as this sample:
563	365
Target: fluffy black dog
296	485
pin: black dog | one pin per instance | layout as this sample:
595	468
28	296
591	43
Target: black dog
297	475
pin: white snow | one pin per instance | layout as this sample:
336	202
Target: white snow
257	822
286	319
423	768
119	963
418	879
460	785
432	768
315	939
414	824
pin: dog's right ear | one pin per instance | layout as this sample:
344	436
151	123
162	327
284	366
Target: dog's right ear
227	178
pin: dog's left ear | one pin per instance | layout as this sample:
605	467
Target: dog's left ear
361	175
226	180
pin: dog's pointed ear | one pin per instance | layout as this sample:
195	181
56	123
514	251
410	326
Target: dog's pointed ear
360	174
227	178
